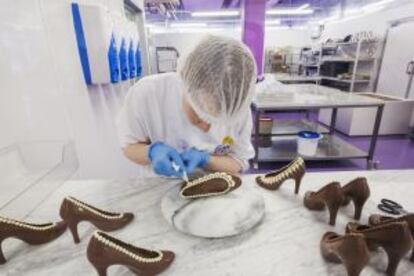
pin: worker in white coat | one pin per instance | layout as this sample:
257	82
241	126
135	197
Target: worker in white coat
197	118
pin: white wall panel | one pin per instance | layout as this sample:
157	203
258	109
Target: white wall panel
31	108
92	110
43	95
376	22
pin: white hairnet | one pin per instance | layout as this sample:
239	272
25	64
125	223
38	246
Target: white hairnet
219	76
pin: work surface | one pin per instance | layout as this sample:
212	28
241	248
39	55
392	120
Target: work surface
295	96
285	243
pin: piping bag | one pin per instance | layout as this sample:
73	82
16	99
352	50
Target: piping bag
177	169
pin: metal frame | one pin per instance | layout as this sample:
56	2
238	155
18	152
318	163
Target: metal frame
409	71
374	73
163	48
369	156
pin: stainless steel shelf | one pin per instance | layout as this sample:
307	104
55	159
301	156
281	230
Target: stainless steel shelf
329	148
305	97
292	127
343	80
341	59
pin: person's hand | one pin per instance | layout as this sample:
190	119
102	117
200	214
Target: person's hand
162	157
194	158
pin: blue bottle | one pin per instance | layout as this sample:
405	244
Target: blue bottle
138	62
113	60
131	61
123	61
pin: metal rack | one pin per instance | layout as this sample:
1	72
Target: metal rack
310	98
357	57
354	58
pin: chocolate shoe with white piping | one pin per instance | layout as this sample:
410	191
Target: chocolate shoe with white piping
74	211
294	170
213	184
33	234
105	250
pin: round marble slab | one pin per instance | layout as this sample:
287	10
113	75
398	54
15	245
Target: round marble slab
214	217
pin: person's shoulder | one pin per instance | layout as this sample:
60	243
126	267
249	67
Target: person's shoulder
155	85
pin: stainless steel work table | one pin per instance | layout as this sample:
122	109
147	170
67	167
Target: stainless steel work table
309	98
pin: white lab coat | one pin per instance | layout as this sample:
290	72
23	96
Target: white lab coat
153	112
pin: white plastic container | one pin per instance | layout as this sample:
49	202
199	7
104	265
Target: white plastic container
308	142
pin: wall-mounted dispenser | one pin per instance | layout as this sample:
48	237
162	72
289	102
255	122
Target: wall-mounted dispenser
113	60
97	46
123	59
138	61
133	34
122	40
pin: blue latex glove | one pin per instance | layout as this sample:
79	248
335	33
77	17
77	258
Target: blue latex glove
194	158
162	157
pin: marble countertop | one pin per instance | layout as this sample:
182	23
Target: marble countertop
285	243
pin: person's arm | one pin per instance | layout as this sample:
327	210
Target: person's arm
223	164
137	153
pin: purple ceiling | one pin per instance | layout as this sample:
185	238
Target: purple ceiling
192	5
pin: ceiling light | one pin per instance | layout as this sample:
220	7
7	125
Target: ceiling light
353	11
215	13
289	12
187	25
273	22
376	5
304	6
329	19
286	28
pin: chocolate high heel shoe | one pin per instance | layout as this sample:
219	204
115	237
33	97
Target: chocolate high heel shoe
358	191
214	184
351	250
294	170
74	211
394	237
30	233
330	195
379	219
104	251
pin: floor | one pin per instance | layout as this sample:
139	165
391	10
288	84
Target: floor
392	152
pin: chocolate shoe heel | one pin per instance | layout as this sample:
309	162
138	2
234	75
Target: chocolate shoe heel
358	191
351	250
395	238
330	196
73	227
74	211
294	170
379	219
33	234
104	251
